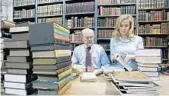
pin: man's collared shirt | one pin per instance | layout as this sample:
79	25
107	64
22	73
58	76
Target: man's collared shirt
98	56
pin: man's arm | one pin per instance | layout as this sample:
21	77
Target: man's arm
74	57
105	62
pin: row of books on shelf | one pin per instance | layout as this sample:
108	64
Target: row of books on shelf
23	2
76	37
153	15
155	41
56	19
74	22
153	3
50	10
48	1
107	33
84	7
117	10
101	2
24	13
104	33
154	28
109	22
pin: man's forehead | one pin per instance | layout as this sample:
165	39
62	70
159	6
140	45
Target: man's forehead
88	33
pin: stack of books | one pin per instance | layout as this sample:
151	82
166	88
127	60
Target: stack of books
148	62
134	83
51	55
5	26
19	76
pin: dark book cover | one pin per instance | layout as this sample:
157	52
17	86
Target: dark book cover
41	34
20	36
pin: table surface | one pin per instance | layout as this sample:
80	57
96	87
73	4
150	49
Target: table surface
104	87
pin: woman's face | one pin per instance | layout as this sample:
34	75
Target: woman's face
124	27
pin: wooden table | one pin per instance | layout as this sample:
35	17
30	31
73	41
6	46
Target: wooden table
104	87
101	87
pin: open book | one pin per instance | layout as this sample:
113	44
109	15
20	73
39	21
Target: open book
124	63
88	77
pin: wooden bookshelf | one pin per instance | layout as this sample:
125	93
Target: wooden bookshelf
113	16
106	17
155	46
49	16
112	5
80	28
25	6
97	16
150	34
160	21
148	9
29	18
106	27
50	3
75	14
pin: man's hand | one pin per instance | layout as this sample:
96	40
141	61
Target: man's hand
78	69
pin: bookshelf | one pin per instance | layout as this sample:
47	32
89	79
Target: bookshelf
107	13
151	18
24	10
153	22
79	15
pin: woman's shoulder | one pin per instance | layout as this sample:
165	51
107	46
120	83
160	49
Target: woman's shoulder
137	38
113	39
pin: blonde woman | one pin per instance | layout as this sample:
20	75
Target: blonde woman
124	43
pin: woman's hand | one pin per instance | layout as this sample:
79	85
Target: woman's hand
115	56
129	57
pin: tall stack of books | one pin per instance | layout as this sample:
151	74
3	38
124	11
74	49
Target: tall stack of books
148	62
19	76
51	58
5	26
134	83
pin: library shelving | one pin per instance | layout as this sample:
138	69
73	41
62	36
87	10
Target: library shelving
153	22
151	18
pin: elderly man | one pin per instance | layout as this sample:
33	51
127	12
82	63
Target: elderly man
90	55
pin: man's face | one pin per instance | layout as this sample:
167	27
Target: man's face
88	38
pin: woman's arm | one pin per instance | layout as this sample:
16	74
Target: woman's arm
113	54
139	45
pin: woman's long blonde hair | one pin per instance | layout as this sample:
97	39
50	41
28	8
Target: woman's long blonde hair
116	33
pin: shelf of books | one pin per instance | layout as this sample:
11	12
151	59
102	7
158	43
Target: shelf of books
153	19
79	15
108	12
50	11
24	10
